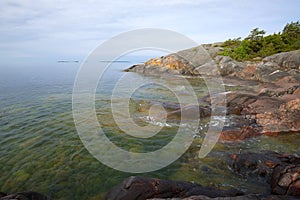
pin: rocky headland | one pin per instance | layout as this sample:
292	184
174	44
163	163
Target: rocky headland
267	102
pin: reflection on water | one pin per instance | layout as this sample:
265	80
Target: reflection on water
41	151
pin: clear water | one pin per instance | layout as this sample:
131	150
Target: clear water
41	151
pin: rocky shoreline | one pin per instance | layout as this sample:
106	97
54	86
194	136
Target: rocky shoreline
270	107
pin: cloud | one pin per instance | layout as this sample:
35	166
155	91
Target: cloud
64	28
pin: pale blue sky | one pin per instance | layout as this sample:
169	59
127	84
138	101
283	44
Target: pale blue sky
49	30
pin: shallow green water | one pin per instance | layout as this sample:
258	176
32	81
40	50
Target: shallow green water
40	149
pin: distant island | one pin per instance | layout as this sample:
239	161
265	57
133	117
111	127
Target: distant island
68	61
102	61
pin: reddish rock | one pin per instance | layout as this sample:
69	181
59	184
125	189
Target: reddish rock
297	92
283	117
239	133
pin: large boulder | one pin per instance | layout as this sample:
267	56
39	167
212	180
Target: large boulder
286	60
228	66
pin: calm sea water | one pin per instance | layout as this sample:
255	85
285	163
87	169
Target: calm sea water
40	149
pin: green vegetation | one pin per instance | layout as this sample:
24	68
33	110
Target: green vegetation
258	45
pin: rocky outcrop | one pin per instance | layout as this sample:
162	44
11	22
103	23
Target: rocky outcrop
271	69
186	62
269	113
171	64
199	60
249	114
286	60
270	109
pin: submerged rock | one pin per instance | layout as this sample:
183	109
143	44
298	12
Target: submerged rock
282	171
254	164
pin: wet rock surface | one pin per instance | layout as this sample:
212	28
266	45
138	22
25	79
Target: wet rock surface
282	171
254	164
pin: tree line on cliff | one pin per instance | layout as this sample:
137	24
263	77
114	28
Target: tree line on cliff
256	44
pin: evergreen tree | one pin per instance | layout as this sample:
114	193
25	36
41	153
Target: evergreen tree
256	44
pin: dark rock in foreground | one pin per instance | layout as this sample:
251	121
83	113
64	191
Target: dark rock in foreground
24	196
245	197
281	171
141	188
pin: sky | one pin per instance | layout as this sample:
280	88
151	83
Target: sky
49	30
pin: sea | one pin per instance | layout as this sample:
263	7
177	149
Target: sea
41	150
